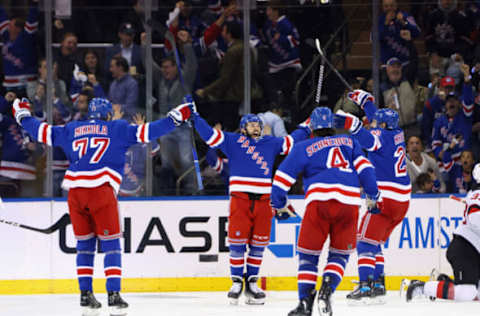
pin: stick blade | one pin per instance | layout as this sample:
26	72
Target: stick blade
318	46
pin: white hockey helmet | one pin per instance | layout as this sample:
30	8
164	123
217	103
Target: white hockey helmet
476	172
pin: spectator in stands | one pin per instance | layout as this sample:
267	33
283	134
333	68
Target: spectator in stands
435	107
419	162
17	162
66	58
80	106
437	67
19	53
92	67
89	75
123	90
396	29
459	174
127	49
176	147
448	30
282	39
183	18
398	93
427	183
36	89
226	93
273	122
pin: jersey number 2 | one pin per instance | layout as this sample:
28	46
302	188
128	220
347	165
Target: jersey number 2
400	164
336	159
101	143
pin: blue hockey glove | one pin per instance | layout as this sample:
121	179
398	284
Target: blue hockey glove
374	203
360	97
347	121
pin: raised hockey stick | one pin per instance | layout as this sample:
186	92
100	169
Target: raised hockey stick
329	64
321	72
63	221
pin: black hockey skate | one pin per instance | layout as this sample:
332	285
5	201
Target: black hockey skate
362	294
235	290
304	308
116	305
254	294
90	305
379	287
324	304
415	289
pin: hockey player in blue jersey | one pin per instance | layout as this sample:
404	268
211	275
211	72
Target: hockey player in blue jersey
386	150
333	169
96	149
250	158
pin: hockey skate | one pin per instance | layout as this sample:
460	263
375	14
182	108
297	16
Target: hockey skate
361	295
90	305
116	305
235	290
254	294
324	304
415	289
379	291
305	305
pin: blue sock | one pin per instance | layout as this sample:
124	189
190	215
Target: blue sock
307	274
112	264
237	260
254	260
366	260
379	263
335	268
85	257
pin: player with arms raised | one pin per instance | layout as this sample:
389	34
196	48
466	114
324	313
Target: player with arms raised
96	150
385	144
250	158
333	168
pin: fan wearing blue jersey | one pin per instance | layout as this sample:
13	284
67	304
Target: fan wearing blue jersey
250	159
385	144
96	149
333	168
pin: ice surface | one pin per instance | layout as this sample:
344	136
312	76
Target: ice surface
216	303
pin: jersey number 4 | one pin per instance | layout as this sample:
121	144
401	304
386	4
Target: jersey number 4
400	164
336	159
100	143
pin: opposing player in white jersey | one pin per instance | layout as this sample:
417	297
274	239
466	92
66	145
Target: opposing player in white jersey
385	144
463	254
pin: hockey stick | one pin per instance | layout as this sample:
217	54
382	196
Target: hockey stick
453	197
329	64
169	36
321	72
63	221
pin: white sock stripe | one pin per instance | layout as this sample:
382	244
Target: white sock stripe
307	281
112	268
308	272
367	266
336	264
333	272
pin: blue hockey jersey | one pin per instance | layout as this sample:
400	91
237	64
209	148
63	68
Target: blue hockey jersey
387	152
333	168
19	56
283	51
96	148
250	161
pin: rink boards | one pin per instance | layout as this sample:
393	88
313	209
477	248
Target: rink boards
181	245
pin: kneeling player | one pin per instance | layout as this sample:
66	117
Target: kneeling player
333	168
463	254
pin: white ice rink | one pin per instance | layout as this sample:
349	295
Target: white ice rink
215	303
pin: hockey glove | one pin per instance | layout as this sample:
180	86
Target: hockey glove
181	113
285	212
21	109
374	203
360	97
188	99
347	121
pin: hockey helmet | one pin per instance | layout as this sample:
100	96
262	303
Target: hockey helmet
247	118
321	117
99	108
387	116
